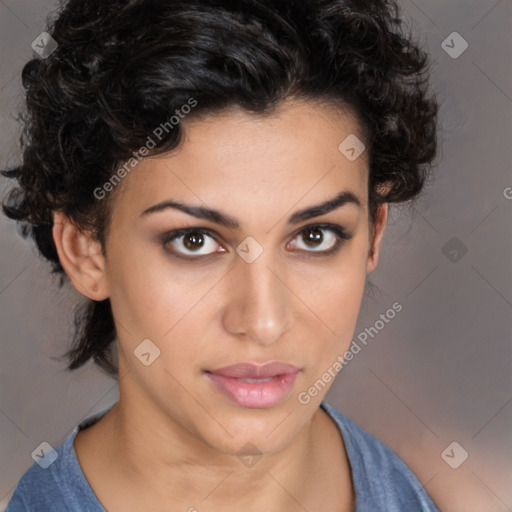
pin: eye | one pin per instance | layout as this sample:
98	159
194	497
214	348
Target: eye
193	239
199	242
313	239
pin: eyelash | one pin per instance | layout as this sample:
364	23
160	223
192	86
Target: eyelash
340	233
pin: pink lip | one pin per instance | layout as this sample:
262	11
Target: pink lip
279	379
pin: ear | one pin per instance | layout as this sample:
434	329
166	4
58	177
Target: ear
377	235
81	258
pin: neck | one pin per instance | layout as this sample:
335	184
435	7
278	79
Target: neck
153	452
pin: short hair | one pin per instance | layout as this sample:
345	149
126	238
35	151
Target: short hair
122	67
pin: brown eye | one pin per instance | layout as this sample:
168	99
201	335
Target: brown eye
193	241
313	237
315	240
190	242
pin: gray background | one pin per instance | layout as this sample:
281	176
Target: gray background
439	372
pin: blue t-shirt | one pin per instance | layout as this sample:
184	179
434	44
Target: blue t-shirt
382	481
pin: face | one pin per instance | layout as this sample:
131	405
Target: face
271	285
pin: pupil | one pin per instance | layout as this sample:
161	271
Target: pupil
313	235
193	240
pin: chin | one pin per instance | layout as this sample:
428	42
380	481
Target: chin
251	445
254	431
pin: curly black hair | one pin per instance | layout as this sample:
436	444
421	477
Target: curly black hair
122	67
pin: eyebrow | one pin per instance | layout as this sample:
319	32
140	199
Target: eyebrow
218	217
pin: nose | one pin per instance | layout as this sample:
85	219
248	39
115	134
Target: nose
259	306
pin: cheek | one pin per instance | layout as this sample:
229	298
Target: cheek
154	299
336	298
340	304
143	282
143	297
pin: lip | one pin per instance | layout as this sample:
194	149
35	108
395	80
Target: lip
273	382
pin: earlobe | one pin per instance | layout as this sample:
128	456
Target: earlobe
81	258
378	234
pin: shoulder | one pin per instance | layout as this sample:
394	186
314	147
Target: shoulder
43	483
54	482
381	478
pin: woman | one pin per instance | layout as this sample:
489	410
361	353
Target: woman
214	176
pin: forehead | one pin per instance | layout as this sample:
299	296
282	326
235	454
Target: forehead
235	157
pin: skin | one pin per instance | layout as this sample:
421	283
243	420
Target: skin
171	442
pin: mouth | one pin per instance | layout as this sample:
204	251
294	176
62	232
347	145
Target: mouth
255	386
